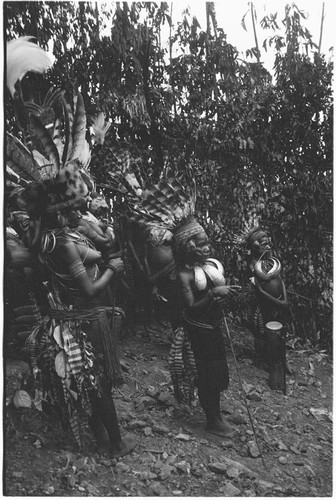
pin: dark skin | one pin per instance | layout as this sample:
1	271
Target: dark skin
156	258
19	256
31	235
281	303
135	233
66	252
198	304
64	255
262	248
95	233
201	252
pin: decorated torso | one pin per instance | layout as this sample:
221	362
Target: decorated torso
267	273
265	268
206	277
51	256
211	271
159	250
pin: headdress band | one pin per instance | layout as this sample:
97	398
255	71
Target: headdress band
255	236
187	231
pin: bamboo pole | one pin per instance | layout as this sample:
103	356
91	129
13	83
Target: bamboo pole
321	29
255	32
97	19
171	56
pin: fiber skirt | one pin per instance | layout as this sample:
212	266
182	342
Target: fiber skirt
210	356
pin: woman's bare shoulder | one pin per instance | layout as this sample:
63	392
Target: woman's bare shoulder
185	275
65	249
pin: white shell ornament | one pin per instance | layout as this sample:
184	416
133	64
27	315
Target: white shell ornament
216	274
200	278
268	275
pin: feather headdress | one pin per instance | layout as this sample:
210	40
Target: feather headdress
61	149
64	140
23	56
61	154
123	178
265	265
247	236
166	203
20	159
171	206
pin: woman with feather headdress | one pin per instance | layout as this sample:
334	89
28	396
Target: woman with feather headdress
72	348
204	292
83	355
198	344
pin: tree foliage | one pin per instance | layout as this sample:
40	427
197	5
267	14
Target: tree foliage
259	147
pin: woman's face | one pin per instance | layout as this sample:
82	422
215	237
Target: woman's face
263	246
74	216
198	248
98	206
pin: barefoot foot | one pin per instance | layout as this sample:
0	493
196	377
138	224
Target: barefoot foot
103	447
127	446
220	428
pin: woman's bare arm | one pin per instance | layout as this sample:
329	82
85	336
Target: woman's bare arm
185	279
101	240
68	256
277	302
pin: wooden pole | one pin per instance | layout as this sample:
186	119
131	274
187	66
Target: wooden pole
171	55
321	29
255	32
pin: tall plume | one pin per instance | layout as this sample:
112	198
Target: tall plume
23	56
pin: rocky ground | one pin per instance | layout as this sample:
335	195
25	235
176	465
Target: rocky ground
174	455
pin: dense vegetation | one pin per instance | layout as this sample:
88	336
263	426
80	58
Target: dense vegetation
259	147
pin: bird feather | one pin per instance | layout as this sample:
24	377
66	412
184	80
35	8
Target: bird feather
100	128
45	168
78	129
47	142
57	135
23	56
84	157
19	159
51	97
40	160
68	122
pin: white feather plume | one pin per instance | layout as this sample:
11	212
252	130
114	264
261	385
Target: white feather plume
100	128
85	155
24	56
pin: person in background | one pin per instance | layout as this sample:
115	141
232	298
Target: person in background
204	293
271	302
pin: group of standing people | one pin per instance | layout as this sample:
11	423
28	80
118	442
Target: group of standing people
72	259
63	264
65	259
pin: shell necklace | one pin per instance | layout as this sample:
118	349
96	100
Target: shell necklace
211	269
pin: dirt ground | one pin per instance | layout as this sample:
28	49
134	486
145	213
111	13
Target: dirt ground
175	456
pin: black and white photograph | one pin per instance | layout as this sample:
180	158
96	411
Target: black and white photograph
167	265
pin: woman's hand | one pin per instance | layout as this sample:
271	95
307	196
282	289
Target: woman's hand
225	291
103	226
116	264
157	296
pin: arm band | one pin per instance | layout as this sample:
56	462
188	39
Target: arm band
76	268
